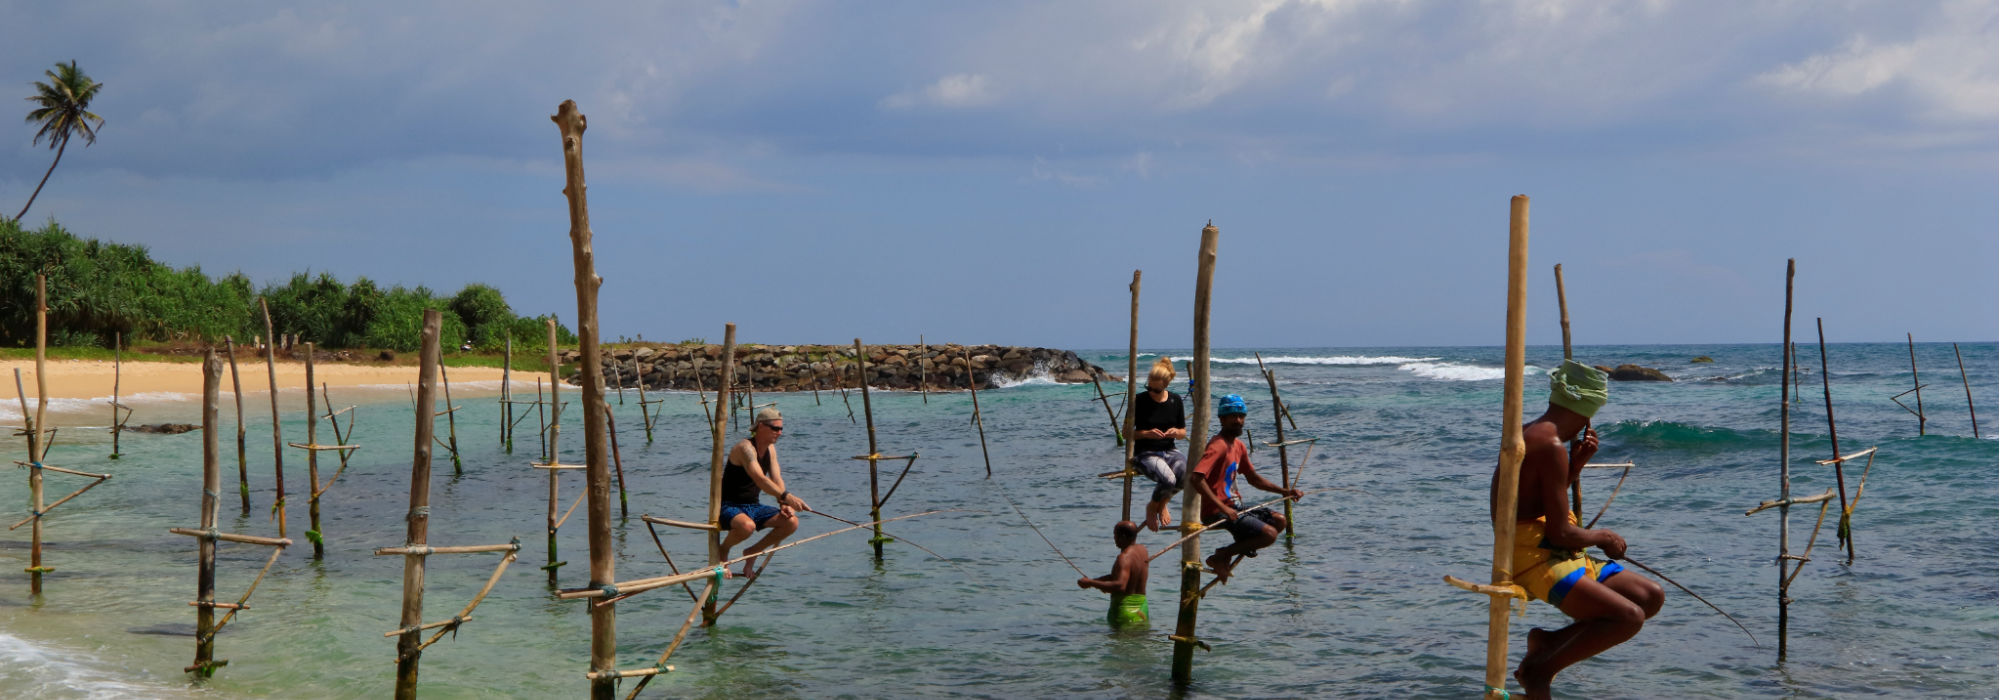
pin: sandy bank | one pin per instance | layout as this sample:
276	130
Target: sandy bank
90	379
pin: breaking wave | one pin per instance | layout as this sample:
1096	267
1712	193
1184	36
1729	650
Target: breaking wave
1348	360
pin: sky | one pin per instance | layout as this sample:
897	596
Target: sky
995	172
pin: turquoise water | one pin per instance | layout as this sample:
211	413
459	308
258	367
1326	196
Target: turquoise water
1352	606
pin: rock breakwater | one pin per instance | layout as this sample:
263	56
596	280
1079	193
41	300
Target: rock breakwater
949	367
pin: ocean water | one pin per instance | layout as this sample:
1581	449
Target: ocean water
1352	606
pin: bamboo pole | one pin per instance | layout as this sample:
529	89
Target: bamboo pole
507	395
542	419
553	438
1576	476
1846	537
1184	636
1131	392
312	462
645	419
874	454
922	386
419	518
277	429
717	424
618	459
1117	430
1785	466
597	475
1917	385
979	422
38	448
450	418
242	459
1968	390
211	486
117	378
1284	457
1512	449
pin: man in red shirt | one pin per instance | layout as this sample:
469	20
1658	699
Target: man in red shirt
1215	479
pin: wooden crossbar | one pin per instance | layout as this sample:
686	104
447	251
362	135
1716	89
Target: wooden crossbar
1847	458
66	471
634	673
428	626
424	550
213	604
232	537
557	466
322	448
60	501
680	523
1789	501
1620	465
1289	443
882	457
1508	590
453	409
1120	474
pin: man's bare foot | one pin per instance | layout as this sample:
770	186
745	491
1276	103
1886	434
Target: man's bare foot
1166	519
1152	524
748	572
1220	563
1534	682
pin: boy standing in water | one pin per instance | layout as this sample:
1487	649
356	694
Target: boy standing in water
1127	581
1608	603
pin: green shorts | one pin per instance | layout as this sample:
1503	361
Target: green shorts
1127	610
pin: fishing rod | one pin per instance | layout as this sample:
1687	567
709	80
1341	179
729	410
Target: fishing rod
1038	532
905	540
1697	596
1260	506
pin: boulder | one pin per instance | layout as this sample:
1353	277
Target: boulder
1634	373
1703	358
167	428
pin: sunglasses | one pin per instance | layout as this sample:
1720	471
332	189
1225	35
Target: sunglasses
774	428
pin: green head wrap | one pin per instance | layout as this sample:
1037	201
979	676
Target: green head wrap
1578	387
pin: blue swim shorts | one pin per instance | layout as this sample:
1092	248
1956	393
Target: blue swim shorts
759	513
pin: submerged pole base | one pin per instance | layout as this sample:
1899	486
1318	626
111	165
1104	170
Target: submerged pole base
205	669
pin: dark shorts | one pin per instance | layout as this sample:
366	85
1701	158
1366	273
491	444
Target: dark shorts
1249	523
759	513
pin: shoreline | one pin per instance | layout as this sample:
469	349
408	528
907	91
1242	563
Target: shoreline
93	379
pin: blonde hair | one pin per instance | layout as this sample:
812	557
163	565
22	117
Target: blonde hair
1163	370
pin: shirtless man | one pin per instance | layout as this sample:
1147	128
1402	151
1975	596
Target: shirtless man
1609	603
1215	479
1127	581
752	470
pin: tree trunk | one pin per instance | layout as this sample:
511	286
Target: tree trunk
63	146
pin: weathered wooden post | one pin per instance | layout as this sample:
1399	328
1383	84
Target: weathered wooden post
923	386
553	438
211	486
1284	456
1576	476
1190	600
978	421
277	429
450	420
419	519
242	458
117	378
1968	390
1512	447
597	472
1846	538
718	452
1117	430
1916	384
1785	465
1131	393
507	395
38	447
874	454
312	461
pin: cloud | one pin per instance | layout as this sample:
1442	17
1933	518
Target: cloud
1948	73
950	92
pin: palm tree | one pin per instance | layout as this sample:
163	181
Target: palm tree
61	107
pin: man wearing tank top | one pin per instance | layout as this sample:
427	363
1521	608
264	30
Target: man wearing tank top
752	470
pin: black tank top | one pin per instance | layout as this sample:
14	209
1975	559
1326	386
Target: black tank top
737	486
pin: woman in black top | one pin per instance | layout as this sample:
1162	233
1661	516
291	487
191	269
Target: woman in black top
1158	419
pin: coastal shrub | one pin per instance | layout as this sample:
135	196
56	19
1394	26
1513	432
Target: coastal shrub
98	290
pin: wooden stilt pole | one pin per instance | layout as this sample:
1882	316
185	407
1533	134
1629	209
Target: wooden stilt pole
716	454
1512	448
923	384
419	517
597	473
507	395
211	486
117	378
979	422
38	447
1785	467
553	433
312	461
1915	383
277	428
874	488
1284	456
645	419
1968	390
1131	392
1117	431
542	420
1846	537
242	458
1190	599
450	420
1576	476
617	459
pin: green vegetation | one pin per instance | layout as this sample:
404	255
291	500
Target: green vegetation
100	289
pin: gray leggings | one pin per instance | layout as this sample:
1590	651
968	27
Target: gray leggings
1167	469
